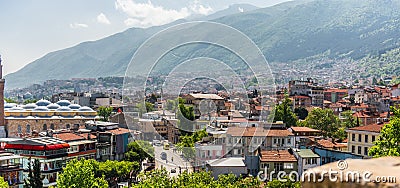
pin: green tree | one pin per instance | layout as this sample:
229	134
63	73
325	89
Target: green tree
149	107
81	174
186	143
104	112
348	121
324	120
287	183
160	178
28	101
116	171
9	100
3	184
34	179
285	113
301	112
388	143
139	150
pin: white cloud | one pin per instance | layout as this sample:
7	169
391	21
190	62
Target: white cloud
197	8
78	25
240	9
101	18
147	14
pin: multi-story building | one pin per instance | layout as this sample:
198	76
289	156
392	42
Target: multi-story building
307	88
306	159
243	141
204	103
112	141
51	153
335	95
11	169
360	139
82	146
44	115
274	161
302	135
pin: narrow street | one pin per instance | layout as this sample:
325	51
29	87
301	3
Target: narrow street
173	161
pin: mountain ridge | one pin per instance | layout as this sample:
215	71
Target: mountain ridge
284	32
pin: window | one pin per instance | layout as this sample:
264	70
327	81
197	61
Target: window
365	150
366	139
288	141
44	127
19	129
68	126
311	161
373	139
353	137
52	126
28	128
288	166
278	167
359	138
359	149
275	141
353	149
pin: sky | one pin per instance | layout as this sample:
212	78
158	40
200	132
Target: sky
32	28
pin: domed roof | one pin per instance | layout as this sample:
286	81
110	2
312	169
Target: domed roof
41	108
30	106
53	106
10	105
64	109
74	106
17	108
85	109
64	103
43	102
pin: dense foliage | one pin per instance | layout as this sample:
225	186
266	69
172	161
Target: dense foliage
3	184
138	151
285	113
81	174
324	120
34	179
160	178
186	143
388	143
104	112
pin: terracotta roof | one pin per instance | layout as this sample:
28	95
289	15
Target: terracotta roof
206	96
337	105
119	131
325	143
247	131
277	156
369	128
304	129
336	90
257	131
301	97
361	114
279	132
68	136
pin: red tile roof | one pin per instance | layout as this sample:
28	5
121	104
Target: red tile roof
257	131
119	131
369	128
304	129
68	136
277	156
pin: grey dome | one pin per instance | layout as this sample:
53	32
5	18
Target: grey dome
64	103
30	106
53	106
74	106
64	109
85	109
43	102
41	108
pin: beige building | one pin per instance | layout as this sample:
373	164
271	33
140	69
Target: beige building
360	139
43	116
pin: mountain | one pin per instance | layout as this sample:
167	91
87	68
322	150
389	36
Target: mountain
285	32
